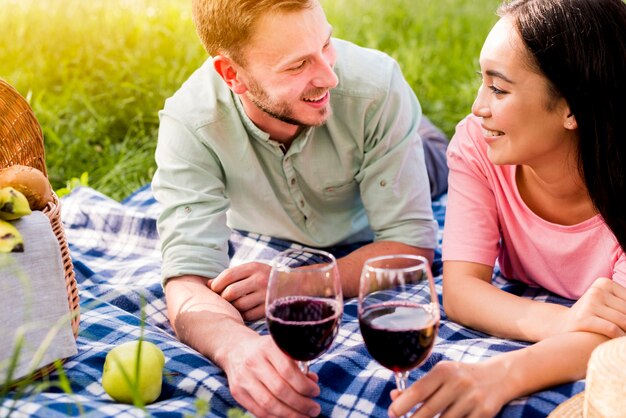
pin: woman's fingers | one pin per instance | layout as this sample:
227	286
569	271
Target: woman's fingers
416	393
453	390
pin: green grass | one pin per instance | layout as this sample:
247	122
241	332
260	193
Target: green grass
96	72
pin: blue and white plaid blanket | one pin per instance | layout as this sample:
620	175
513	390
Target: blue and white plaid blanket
116	256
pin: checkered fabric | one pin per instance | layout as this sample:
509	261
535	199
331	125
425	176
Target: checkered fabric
116	256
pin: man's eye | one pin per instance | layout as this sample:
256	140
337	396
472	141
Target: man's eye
297	67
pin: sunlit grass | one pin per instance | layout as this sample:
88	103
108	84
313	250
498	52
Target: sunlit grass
437	43
96	72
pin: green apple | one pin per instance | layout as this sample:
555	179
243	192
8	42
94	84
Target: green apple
127	383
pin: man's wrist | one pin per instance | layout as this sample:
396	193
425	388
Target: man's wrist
232	336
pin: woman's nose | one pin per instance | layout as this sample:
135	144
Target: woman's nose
480	106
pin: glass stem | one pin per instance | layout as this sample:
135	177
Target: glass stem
304	366
401	378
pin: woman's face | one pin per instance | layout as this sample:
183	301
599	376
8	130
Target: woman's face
522	123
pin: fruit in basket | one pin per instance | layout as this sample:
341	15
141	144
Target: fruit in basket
30	181
13	204
10	238
127	382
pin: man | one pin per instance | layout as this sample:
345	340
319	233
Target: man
288	133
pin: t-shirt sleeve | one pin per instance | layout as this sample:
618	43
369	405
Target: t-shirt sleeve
619	270
471	228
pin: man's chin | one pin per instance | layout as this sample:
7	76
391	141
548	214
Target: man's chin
318	118
321	118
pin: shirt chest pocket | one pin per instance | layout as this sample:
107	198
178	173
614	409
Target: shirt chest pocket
341	194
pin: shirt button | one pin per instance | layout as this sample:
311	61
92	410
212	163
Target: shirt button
383	183
293	181
301	203
187	210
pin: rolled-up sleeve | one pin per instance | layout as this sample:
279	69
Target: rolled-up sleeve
393	180
189	185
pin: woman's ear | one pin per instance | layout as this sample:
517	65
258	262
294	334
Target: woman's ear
570	122
230	73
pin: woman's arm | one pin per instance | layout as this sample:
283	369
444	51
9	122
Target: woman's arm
566	337
463	389
467	287
469	298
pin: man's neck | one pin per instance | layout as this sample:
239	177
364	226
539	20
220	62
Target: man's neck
278	130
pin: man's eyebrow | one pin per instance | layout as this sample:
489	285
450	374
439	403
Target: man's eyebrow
303	57
498	74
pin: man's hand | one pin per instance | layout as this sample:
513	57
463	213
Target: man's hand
244	286
269	384
260	376
601	309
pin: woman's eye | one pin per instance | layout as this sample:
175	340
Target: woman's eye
496	90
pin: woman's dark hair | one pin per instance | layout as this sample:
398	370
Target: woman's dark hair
580	46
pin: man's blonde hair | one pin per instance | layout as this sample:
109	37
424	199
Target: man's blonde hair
226	26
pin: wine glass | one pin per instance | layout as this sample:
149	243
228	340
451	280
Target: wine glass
398	312
304	303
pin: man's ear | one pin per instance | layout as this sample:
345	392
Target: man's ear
230	73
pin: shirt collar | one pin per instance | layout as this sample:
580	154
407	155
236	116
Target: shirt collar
263	136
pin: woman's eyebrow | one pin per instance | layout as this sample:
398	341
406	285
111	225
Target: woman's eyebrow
498	74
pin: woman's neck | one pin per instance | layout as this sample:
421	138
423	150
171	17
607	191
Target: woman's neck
555	193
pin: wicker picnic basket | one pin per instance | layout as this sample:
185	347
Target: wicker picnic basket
21	142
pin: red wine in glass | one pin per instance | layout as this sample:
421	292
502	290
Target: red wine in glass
304	303
398	312
399	335
303	327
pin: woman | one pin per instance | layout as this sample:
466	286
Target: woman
537	181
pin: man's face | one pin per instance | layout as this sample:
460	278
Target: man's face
289	71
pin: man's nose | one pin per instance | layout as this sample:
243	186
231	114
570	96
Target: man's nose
326	76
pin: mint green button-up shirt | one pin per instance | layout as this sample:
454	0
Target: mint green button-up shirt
359	176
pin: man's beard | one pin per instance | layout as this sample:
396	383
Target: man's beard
280	110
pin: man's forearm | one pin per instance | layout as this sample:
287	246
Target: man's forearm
202	319
351	265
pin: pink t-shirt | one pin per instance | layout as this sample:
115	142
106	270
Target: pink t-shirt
486	219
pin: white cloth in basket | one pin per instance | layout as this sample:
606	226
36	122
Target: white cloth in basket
33	302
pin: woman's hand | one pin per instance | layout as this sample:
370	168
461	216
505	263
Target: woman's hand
454	389
601	310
